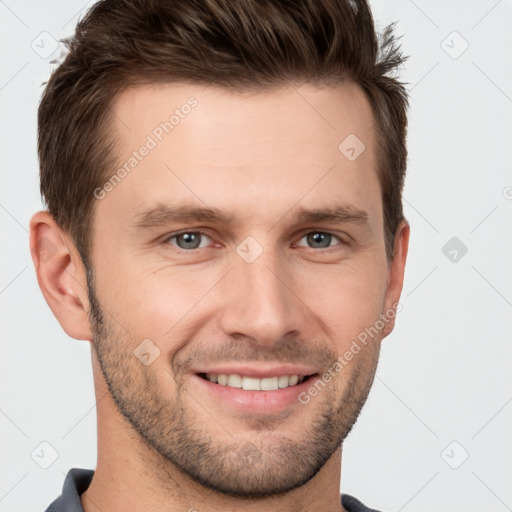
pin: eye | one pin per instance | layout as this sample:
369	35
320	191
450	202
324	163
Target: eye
188	240
319	239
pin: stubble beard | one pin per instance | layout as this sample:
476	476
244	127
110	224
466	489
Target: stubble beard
262	463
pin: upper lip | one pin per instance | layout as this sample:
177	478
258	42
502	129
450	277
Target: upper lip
247	370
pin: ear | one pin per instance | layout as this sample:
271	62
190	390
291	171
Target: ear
61	275
396	276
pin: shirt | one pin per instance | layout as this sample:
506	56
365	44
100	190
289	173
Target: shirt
77	481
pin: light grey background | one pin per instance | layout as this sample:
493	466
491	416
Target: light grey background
443	389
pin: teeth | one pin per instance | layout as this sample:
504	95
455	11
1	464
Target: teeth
284	381
253	383
269	384
293	380
235	381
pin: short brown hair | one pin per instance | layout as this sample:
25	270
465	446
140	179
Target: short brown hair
241	45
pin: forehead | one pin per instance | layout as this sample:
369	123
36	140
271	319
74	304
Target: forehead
268	150
218	115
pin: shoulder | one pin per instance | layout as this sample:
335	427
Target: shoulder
351	504
77	481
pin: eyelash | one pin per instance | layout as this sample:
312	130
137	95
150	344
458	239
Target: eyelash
167	239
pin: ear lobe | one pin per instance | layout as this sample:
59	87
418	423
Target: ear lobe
61	275
396	275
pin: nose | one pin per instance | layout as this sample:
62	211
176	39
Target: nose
263	301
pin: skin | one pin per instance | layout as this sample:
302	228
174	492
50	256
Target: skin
163	443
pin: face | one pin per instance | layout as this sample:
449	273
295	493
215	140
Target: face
236	261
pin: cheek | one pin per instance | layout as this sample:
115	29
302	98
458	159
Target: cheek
155	302
348	300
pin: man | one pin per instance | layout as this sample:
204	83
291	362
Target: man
223	181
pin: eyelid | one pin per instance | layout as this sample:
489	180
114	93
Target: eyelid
303	233
166	239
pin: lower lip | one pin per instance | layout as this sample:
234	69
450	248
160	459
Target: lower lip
255	401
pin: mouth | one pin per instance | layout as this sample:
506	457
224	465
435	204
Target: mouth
247	383
254	389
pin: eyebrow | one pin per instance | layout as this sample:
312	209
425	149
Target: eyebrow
162	214
341	213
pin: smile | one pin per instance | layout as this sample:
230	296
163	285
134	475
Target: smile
254	383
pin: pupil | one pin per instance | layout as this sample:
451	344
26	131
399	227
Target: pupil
323	239
190	240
